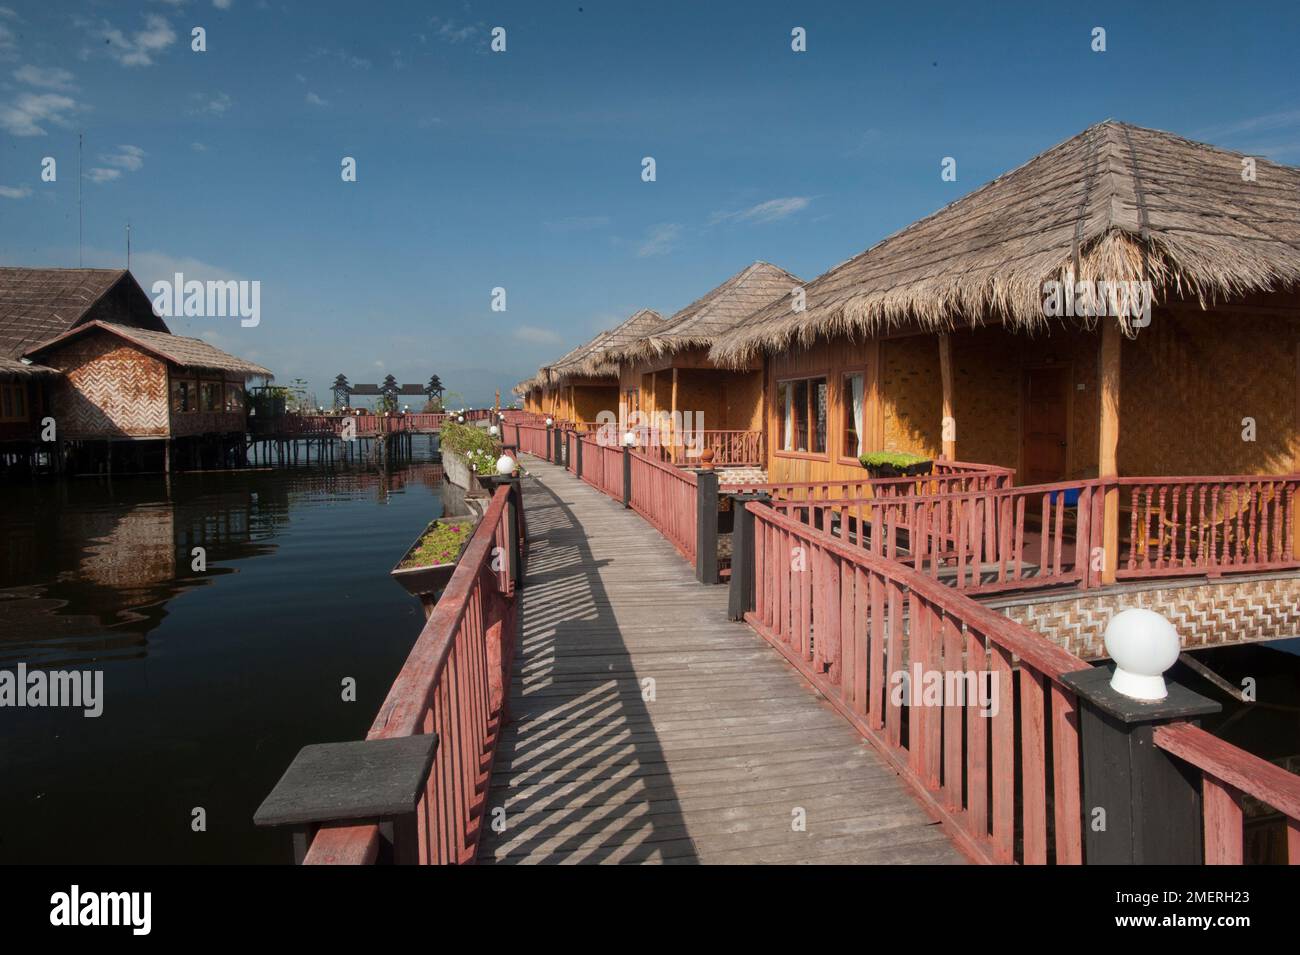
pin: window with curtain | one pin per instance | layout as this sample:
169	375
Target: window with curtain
851	406
802	406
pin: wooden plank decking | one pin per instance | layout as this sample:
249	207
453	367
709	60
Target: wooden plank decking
712	765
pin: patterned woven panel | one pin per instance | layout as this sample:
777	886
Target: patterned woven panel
110	390
1206	615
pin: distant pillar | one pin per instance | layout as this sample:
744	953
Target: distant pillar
740	600
706	526
1108	448
948	425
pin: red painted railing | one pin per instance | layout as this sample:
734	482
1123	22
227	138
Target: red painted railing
364	425
455	683
1226	774
947	482
978	542
1188	525
602	466
984	540
666	497
853	623
534	439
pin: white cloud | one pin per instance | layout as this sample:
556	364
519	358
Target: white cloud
141	47
449	31
100	175
53	78
29	112
1252	124
199	147
315	100
130	158
770	210
15	192
221	4
659	240
8	48
218	104
537	336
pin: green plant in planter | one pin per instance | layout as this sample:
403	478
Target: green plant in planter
440	544
895	464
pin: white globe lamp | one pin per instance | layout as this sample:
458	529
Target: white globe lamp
629	439
549	422
1143	645
505	465
494	431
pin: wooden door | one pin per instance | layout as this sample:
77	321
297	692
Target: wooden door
1045	428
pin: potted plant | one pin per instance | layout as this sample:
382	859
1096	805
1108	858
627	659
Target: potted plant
889	464
428	564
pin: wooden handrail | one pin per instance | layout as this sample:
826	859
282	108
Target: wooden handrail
1267	782
842	616
1226	773
470	635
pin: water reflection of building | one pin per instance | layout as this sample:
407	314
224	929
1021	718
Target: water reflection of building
89	567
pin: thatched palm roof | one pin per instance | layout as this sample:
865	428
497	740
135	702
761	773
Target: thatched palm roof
1114	203
592	359
717	311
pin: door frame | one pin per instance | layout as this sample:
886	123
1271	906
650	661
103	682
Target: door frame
1067	368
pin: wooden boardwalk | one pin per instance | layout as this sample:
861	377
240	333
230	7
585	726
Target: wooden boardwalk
648	728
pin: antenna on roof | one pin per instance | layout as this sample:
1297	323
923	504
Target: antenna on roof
128	245
79	216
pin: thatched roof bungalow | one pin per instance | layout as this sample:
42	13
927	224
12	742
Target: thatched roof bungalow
584	382
668	371
980	332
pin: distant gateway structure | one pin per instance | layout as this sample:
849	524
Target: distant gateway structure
343	391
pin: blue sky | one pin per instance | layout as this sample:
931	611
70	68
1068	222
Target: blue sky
522	169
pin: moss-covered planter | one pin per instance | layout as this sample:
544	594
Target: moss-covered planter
891	464
426	568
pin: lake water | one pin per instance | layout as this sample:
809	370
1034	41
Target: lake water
211	681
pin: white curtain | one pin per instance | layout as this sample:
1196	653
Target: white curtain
788	443
857	410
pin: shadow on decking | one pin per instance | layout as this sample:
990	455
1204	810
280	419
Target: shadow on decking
580	770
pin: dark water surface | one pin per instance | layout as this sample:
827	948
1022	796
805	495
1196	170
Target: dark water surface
212	681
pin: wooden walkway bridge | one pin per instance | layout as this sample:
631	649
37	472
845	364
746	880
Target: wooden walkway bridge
647	727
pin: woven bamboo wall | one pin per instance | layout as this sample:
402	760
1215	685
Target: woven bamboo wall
109	389
1187	381
912	395
989	366
1205	614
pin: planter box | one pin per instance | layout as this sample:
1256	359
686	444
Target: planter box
432	579
894	471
